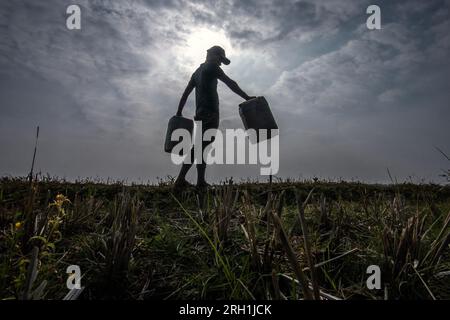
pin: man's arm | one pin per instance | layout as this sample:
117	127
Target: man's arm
184	97
233	86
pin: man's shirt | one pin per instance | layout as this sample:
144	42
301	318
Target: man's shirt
205	81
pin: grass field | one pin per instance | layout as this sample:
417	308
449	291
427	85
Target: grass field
288	240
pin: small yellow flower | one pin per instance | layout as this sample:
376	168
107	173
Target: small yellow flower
18	225
60	200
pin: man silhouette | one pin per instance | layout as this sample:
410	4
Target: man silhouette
204	80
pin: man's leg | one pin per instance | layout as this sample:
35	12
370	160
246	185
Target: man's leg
181	179
212	123
183	171
201	171
201	167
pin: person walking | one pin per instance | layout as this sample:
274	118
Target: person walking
204	80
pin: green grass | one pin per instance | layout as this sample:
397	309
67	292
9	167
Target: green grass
143	242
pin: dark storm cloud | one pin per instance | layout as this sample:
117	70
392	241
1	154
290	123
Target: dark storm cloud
375	101
350	102
276	20
71	84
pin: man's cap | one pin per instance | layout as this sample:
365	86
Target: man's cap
219	51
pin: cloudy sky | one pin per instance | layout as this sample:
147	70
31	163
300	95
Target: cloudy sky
350	102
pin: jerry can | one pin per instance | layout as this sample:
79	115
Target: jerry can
256	114
177	122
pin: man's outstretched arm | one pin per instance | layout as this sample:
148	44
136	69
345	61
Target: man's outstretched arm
184	97
233	86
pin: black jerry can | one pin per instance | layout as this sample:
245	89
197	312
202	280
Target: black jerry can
177	122
256	114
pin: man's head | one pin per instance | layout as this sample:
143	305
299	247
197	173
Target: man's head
217	53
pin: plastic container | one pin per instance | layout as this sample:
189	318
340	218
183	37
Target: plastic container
176	122
256	114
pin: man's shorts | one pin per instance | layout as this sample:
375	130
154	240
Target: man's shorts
209	120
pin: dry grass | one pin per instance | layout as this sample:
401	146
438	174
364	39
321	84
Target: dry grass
292	241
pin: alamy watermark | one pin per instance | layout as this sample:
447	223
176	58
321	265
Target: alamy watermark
374	20
74	278
240	147
374	280
73	21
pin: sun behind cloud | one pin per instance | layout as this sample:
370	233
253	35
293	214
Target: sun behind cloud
193	51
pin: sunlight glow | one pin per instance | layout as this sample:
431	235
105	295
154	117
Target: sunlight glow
201	39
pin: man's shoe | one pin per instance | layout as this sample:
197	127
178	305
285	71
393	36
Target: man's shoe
181	185
203	185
